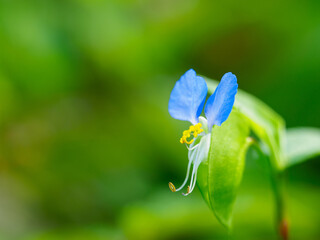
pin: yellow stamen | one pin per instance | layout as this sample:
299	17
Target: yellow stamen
193	130
172	187
186	133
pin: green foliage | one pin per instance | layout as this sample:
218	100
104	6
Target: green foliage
85	130
269	127
302	144
264	122
221	175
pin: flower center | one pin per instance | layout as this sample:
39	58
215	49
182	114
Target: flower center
193	130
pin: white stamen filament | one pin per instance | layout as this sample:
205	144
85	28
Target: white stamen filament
186	179
197	154
193	180
192	147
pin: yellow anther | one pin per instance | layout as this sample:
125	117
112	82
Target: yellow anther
188	190
172	187
198	126
194	130
186	133
195	134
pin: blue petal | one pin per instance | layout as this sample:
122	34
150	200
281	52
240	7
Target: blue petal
220	103
187	97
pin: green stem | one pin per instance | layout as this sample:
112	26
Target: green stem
277	183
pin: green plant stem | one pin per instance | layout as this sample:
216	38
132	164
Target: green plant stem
277	180
277	183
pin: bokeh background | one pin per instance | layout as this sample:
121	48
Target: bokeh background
87	146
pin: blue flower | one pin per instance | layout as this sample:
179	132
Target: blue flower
186	103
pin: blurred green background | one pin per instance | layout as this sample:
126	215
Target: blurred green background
87	146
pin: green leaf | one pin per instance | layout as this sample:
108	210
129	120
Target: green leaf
266	123
220	176
302	144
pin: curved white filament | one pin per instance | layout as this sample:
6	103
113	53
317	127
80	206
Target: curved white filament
186	178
